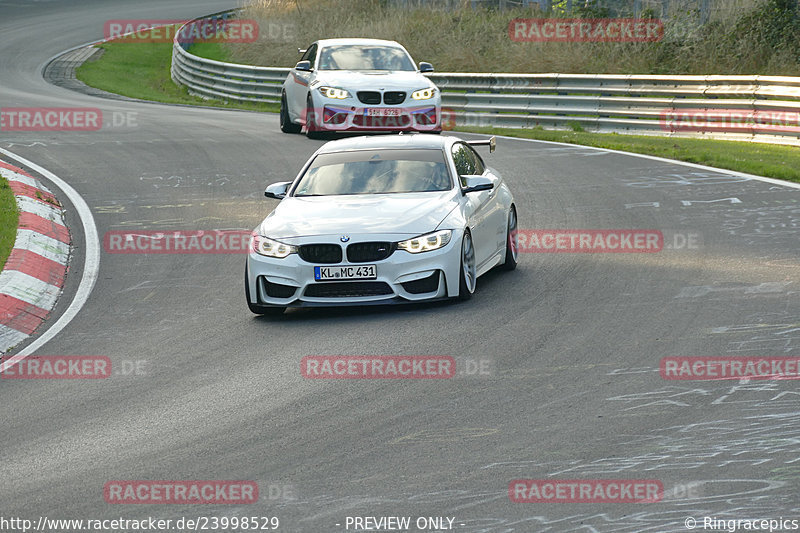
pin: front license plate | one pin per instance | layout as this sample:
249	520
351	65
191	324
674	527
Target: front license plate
382	112
345	272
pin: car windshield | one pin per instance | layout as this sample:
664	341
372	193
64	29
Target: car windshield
364	57
375	172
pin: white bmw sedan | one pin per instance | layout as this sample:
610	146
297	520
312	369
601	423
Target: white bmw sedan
359	85
378	220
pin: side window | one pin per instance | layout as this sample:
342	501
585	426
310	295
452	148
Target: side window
310	55
479	166
462	160
466	161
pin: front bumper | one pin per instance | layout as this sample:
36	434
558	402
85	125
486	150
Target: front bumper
343	116
401	278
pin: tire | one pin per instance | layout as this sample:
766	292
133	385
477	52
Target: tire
467	277
512	246
259	309
287	126
311	128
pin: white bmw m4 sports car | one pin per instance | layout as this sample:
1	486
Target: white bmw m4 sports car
359	85
380	220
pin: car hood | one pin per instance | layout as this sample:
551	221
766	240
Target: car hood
377	79
404	214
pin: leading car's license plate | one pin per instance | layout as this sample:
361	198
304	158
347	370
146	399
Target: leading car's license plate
382	112
345	272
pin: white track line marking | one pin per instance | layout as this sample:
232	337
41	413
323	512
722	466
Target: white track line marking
659	159
91	265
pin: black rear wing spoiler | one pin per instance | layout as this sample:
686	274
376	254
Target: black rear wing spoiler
491	142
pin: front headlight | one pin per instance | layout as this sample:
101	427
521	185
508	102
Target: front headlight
270	248
426	243
333	92
424	94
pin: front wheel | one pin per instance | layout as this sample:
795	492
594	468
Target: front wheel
468	277
259	309
512	245
311	121
287	126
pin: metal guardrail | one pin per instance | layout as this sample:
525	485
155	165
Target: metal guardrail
226	81
633	104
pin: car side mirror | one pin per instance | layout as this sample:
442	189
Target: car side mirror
475	183
305	66
277	190
424	66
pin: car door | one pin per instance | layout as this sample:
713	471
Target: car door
496	216
478	205
297	88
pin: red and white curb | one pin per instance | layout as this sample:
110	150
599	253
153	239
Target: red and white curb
33	276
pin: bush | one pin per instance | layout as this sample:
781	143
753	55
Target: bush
758	37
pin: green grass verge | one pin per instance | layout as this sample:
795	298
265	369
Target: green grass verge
142	70
213	51
770	160
9	216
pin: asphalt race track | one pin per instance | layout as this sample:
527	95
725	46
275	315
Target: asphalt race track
570	343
